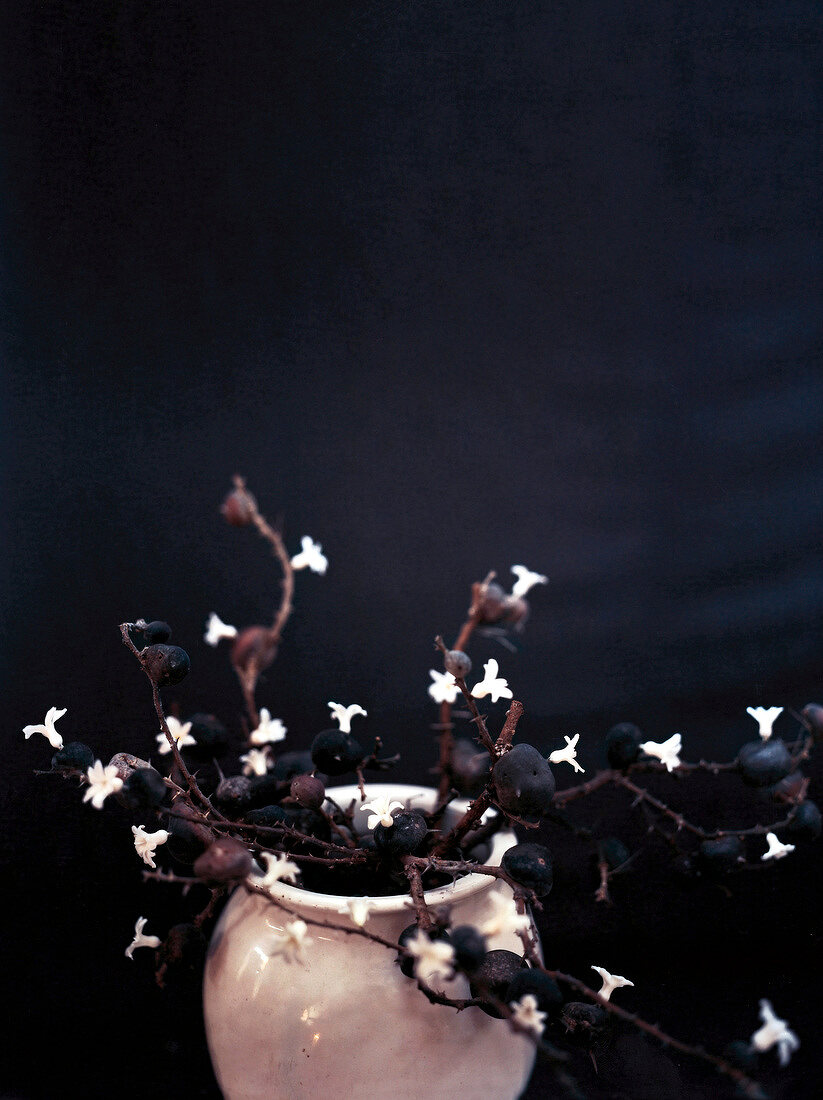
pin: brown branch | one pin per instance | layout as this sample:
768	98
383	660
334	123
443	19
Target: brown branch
412	872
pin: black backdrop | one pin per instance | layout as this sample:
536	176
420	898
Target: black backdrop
455	285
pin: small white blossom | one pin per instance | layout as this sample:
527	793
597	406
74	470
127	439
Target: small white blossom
774	1032
311	556
776	849
504	917
343	715
180	733
567	755
526	580
358	909
140	940
667	752
255	762
433	959
289	943
146	843
279	868
444	689
217	629
47	728
102	783
492	684
764	716
525	1013
269	730
610	982
382	808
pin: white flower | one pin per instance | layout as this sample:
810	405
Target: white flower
525	1013
217	629
765	719
774	1031
433	959
667	752
311	556
102	783
444	689
492	684
289	943
567	755
279	868
381	808
358	909
526	580
268	730
776	849
47	728
140	940
504	917
343	715
610	982
180	734
255	762
145	843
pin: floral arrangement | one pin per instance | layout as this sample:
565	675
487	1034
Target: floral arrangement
273	820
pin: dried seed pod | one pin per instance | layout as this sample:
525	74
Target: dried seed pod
165	664
309	791
238	508
226	860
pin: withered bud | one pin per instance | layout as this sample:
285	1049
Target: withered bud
126	763
458	663
238	508
491	606
309	791
813	713
165	664
224	861
253	646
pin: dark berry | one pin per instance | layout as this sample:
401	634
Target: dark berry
227	860
741	1054
523	782
407	962
165	664
404	836
790	788
613	851
156	632
623	745
469	947
309	791
470	767
813	713
762	763
264	790
210	734
234	792
143	791
540	985
291	764
267	815
335	752
583	1020
516	611
182	954
253	648
73	755
238	508
458	663
187	839
806	823
721	855
531	866
493	604
494	976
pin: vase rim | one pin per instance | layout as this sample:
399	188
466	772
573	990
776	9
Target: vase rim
464	887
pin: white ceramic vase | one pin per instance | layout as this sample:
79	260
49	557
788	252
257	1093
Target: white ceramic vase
346	1023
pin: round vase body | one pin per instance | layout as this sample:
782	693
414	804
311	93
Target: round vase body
345	1022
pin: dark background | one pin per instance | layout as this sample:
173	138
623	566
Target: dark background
455	285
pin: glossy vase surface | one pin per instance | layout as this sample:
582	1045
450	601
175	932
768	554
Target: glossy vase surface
345	1022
